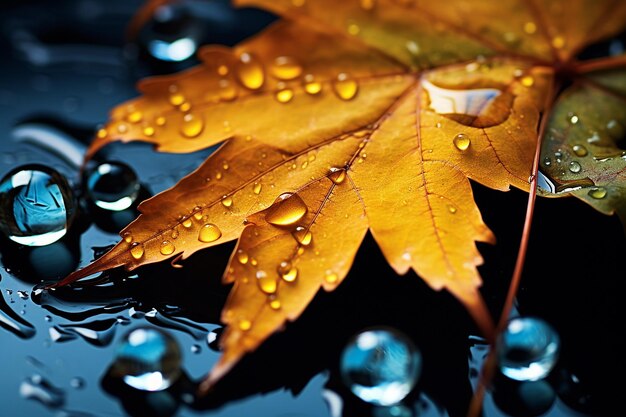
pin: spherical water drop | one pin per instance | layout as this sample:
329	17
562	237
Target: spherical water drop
135	116
148	359
597	192
167	247
245	325
527	349
267	284
209	233
311	86
286	210
286	68
227	201
574	167
242	256
331	277
337	175
36	205
345	87
288	272
187	223
137	250
284	94
250	71
112	186
303	235
528	81
256	188
381	366
579	150
192	126
461	142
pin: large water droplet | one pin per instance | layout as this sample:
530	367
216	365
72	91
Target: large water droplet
137	250
481	107
192	125
268	284
209	233
112	186
287	271
227	201
461	141
286	68
147	359
381	366
286	210
597	192
345	87
250	71
167	247
527	349
337	175
303	235
36	205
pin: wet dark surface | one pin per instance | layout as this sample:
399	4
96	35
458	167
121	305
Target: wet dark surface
66	65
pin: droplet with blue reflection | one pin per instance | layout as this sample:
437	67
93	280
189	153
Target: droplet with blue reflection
112	186
528	349
36	205
148	359
381	366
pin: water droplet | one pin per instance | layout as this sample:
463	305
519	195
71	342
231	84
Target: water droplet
148	131
303	235
266	283
353	29
112	186
574	167
167	247
187	223
160	121
579	150
615	129
209	233
245	325
38	388
284	94
77	383
256	188
227	90
413	48
311	86
185	107
102	133
331	277
253	262
286	68
451	209
137	250
135	117
227	201
337	175
287	272
274	302
174	234
527	81
286	210
527	349
381	366
345	87
461	142
558	42
250	71
37	205
572	118
122	128
530	28
242	256
192	125
597	192
127	236
147	359
547	161
176	99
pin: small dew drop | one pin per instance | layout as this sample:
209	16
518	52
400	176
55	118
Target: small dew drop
185	107
187	223
135	117
122	128
167	247
530	28
579	150
303	236
227	201
227	90
331	277
527	81
345	87
558	42
192	125
102	133
573	119
174	234
256	188
136	250
267	284
286	68
160	121
451	209
284	95
223	70
597	192
250	71
353	29
148	131
311	86
547	161
242	256
286	210
127	236
574	167
287	272
209	233
337	175
245	325
461	142
413	48
274	302
176	99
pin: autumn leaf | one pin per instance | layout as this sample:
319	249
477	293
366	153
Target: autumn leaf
352	116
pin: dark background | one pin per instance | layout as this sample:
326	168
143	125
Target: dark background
65	65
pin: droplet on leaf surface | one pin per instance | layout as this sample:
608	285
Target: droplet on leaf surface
209	233
286	210
250	71
345	87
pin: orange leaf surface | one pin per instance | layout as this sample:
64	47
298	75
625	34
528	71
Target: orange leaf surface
342	118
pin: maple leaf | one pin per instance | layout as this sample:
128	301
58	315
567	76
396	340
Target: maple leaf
352	116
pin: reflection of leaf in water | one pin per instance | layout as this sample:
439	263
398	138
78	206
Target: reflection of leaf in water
342	119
